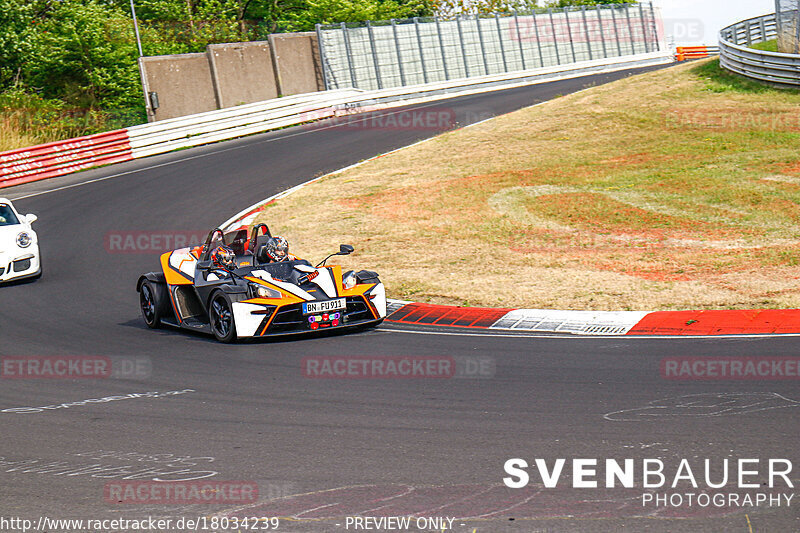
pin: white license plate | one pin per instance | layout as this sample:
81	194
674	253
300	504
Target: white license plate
309	308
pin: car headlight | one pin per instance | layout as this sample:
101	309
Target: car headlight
24	239
349	280
260	291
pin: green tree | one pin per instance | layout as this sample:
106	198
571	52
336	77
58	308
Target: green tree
18	37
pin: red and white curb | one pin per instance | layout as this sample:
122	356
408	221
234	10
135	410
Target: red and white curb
695	323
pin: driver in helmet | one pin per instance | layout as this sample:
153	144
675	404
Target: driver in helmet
277	250
223	258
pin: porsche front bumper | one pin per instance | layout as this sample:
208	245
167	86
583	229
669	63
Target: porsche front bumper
19	263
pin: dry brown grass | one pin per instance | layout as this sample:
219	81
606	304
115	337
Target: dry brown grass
11	137
660	191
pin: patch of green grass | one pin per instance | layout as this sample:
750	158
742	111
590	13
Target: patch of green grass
767	46
719	80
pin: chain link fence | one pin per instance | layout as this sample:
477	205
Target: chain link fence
787	14
397	53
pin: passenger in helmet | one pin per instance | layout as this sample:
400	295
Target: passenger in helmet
277	250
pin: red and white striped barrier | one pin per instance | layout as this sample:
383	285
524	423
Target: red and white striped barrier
63	157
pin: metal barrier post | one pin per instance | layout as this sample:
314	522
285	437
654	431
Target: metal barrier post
644	29
374	55
463	49
569	32
797	32
538	40
500	40
519	40
322	59
630	27
555	36
616	29
602	31
399	55
483	47
441	48
586	30
421	55
349	52
655	28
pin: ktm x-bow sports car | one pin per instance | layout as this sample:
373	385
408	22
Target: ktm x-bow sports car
247	294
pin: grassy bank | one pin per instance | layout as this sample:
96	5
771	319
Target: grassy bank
669	190
26	120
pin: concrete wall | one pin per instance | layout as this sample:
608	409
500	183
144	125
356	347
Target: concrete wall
183	84
242	73
296	61
232	74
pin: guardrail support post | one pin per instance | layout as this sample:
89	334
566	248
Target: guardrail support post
441	49
555	36
349	52
483	46
322	58
797	33
374	55
500	40
616	29
421	54
586	31
630	27
655	28
602	31
399	55
519	40
538	40
644	30
569	32
461	42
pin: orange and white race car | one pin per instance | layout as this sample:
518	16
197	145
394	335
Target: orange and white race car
234	288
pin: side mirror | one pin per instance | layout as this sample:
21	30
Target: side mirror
345	249
30	218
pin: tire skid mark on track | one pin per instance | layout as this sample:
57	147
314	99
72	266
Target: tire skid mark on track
468	503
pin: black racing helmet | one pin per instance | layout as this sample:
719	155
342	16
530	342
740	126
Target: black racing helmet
223	257
277	249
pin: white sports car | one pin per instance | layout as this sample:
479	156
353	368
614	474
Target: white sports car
19	244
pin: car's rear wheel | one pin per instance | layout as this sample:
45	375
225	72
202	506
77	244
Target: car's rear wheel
151	301
220	314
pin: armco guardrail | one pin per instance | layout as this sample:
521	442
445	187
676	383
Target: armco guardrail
682	53
737	55
60	158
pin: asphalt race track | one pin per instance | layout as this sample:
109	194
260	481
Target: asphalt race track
320	450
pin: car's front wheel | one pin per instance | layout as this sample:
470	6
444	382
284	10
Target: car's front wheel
150	302
220	314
